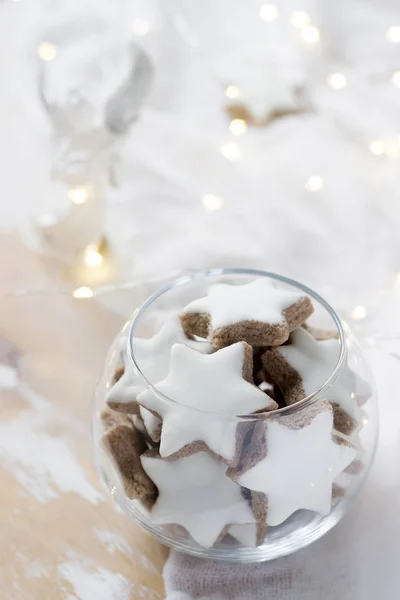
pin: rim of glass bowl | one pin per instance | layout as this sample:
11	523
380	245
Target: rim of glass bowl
306	401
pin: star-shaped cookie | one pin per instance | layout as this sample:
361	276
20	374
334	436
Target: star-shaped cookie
302	367
152	356
257	313
219	386
195	493
125	445
300	465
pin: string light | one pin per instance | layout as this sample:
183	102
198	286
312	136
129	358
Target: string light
231	151
300	19
140	27
393	35
314	183
392	149
47	51
310	35
92	256
83	292
337	81
269	12
396	79
238	126
359	313
212	203
232	92
377	147
79	194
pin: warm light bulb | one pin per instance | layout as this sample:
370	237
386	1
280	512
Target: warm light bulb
310	35
47	51
82	292
232	92
300	19
92	256
231	151
78	194
238	126
393	35
359	313
212	203
140	27
396	79
314	183
377	147
392	149
269	12
337	81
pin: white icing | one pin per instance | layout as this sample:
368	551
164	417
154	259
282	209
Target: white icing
138	423
299	468
152	356
151	422
315	362
211	383
255	301
245	534
195	493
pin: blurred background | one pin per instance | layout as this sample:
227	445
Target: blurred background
144	139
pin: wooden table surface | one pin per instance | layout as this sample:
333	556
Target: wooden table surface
62	535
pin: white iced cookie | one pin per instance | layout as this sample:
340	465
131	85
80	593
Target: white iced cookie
152	424
195	493
257	313
217	383
303	366
152	356
246	534
300	466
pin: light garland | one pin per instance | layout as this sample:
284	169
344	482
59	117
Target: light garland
232	92
392	149
231	151
47	51
377	147
269	12
238	126
393	34
140	27
92	256
300	19
82	292
337	81
389	148
79	194
212	203
359	313
396	79
310	35
315	183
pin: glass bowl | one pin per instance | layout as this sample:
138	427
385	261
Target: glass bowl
221	484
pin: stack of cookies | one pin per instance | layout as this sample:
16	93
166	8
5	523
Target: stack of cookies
212	444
